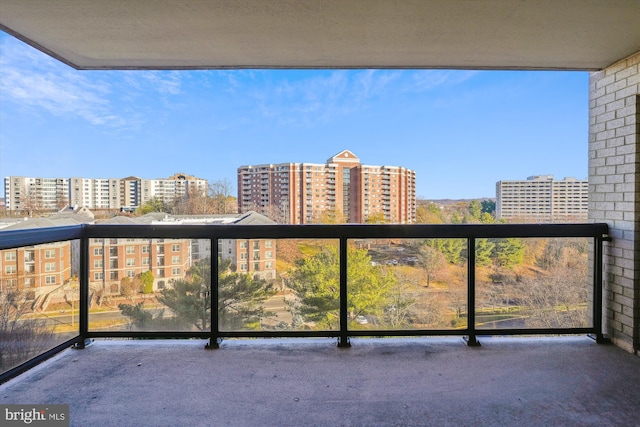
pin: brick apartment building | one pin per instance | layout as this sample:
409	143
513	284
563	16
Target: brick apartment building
540	198
43	271
37	267
303	193
168	259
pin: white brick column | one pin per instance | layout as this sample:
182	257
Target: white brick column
614	192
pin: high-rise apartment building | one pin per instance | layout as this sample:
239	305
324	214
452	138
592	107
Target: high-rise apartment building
26	193
29	194
303	193
542	199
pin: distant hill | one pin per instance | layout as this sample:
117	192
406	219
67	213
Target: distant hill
446	202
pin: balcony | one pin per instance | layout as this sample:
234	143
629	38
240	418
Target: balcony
478	390
538	382
474	308
297	363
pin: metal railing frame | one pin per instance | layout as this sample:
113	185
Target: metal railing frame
343	233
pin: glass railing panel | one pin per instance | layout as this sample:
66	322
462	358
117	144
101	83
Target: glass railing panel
407	284
533	283
149	285
38	300
293	286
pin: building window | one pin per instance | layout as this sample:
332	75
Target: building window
131	273
145	261
175	271
10	256
10	269
243	266
50	266
256	244
256	266
50	280
98	275
175	247
98	263
243	244
97	251
268	254
268	243
131	250
145	249
175	259
243	255
113	275
131	262
268	265
50	253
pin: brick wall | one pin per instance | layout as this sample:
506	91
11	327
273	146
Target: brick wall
614	191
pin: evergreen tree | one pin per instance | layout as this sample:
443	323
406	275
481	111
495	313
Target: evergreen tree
509	252
316	282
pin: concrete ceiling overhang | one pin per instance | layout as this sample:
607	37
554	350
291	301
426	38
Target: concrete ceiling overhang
195	34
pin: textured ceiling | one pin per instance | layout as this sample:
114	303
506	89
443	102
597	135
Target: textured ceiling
505	34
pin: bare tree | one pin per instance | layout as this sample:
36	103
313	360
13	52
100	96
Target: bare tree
558	298
31	202
22	337
275	213
431	260
220	192
61	200
401	306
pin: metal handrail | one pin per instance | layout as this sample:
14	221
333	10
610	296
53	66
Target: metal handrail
598	232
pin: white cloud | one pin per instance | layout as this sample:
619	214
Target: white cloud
311	97
164	82
424	80
39	83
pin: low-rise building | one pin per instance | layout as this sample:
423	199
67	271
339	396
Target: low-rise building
116	265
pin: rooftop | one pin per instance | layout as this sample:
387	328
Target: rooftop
568	381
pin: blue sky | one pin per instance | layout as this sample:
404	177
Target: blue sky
460	130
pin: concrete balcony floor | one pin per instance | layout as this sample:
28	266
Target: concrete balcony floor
303	382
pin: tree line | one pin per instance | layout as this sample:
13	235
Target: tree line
217	199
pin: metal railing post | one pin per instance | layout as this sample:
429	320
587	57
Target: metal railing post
472	340
344	308
83	314
598	259
214	341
